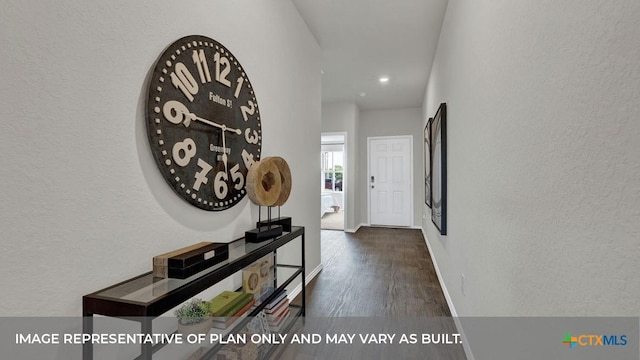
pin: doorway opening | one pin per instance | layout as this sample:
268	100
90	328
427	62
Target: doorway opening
333	185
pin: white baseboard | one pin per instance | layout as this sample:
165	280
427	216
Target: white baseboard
298	289
452	308
394	227
356	229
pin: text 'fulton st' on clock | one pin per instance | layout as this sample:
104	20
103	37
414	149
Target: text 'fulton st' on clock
217	99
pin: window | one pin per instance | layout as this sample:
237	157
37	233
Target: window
332	170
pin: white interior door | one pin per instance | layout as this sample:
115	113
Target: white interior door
390	190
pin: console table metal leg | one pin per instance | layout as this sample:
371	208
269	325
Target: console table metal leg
275	269
147	348
304	279
87	328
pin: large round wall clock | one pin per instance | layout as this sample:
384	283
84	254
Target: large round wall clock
203	122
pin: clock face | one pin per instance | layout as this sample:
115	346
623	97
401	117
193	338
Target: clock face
203	122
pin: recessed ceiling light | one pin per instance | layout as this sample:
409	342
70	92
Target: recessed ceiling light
384	80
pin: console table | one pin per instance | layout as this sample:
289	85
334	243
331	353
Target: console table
144	297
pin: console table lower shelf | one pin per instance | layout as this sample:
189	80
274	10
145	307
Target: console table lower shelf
144	298
263	349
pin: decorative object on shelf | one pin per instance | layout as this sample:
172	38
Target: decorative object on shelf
257	278
263	233
285	177
269	184
427	163
439	169
283	221
260	325
161	262
203	122
264	183
193	317
187	261
285	190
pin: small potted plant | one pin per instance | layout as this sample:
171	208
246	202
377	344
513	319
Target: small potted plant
193	317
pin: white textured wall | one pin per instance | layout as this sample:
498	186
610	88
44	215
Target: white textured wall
400	121
83	205
345	117
544	156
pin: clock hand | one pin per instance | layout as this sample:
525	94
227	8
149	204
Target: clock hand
192	116
224	150
188	116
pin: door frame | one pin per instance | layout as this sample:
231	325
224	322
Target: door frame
368	182
345	178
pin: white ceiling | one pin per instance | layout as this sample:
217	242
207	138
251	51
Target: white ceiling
362	40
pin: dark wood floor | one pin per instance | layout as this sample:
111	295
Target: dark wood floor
376	280
375	272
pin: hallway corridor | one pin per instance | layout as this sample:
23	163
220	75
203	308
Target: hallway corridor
376	272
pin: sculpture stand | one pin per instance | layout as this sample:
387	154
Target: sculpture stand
267	229
285	221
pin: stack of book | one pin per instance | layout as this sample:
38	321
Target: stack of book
228	306
277	311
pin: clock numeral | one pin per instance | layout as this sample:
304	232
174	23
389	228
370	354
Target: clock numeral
183	151
175	112
240	81
182	79
251	138
247	110
201	176
237	177
220	185
203	69
247	158
222	62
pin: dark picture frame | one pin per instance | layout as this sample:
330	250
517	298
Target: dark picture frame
427	163
439	169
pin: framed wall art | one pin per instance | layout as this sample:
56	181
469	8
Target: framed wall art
427	163
439	169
